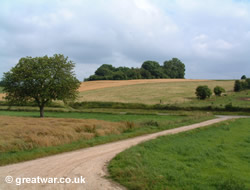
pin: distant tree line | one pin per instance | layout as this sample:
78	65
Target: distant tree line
173	68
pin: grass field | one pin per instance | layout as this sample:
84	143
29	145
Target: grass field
152	93
1	89
25	137
212	158
239	99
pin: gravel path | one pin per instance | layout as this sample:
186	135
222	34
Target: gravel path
90	163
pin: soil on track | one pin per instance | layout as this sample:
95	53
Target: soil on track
89	162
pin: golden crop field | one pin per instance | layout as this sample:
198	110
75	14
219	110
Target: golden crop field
24	133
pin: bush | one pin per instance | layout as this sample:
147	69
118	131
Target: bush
218	90
203	92
241	85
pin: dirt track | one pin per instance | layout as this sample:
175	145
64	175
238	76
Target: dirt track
89	163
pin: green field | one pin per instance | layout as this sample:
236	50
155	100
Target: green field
212	158
238	99
1	89
153	93
29	144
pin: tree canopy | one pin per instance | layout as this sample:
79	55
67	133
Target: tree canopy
203	92
149	70
41	80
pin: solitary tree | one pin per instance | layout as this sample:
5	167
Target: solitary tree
41	80
203	92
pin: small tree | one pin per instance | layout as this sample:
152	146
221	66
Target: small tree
203	92
243	77
218	90
41	80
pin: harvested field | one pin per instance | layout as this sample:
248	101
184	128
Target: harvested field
93	85
166	91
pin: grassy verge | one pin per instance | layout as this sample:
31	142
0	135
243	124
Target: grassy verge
29	139
215	157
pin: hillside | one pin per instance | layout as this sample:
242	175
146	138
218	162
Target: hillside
147	91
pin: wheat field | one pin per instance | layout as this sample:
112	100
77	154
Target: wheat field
24	133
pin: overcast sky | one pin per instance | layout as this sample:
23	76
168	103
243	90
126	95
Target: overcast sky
211	37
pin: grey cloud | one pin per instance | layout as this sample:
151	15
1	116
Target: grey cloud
210	37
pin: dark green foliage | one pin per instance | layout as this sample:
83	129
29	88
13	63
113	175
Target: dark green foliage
41	80
149	70
203	92
242	85
243	77
218	90
1	83
174	68
237	86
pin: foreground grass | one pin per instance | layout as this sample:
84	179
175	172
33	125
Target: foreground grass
215	157
26	138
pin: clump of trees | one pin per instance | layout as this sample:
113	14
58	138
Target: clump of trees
203	92
173	68
240	85
41	80
218	90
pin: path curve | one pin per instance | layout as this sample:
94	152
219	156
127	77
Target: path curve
89	163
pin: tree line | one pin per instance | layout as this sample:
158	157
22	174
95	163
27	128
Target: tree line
173	68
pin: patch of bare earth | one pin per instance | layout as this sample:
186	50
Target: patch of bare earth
93	85
2	95
89	163
245	99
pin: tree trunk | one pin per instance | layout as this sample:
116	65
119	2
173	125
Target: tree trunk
41	111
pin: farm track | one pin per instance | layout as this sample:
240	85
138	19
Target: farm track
89	162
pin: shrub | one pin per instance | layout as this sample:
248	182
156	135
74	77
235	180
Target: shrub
218	90
241	85
203	92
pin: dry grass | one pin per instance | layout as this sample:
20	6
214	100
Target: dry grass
2	96
154	92
23	133
93	85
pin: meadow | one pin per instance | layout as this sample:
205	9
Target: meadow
24	136
212	158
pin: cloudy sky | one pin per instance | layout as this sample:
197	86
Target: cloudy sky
211	37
